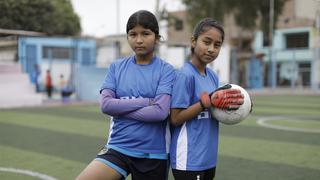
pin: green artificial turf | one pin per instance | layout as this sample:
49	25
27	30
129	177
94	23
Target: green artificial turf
60	141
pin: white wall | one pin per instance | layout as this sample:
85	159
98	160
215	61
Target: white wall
222	64
306	8
8	55
106	55
176	56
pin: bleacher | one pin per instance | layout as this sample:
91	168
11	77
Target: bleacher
16	89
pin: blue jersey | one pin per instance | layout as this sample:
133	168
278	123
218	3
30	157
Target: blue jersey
130	80
194	144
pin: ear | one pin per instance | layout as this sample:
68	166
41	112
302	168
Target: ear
193	42
158	39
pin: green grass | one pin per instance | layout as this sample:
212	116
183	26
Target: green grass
61	141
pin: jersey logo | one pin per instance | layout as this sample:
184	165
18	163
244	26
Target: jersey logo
130	97
198	177
103	151
204	115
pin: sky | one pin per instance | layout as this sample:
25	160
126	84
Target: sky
99	17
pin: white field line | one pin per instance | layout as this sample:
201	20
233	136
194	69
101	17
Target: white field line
27	172
262	121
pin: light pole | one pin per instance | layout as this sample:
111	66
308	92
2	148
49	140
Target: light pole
315	65
272	64
118	16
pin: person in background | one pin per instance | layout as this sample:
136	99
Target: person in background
49	86
63	89
35	77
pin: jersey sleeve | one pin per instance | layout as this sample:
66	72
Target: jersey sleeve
166	80
115	107
158	111
110	80
182	91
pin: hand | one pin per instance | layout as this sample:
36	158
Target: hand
151	101
227	98
205	100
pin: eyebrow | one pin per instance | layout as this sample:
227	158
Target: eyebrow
208	38
143	31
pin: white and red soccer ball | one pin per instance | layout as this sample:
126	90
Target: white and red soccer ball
230	117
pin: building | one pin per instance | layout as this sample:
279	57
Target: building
248	60
111	48
60	55
294	61
22	51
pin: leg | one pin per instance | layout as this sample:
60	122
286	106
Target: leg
210	174
99	171
183	175
49	91
194	175
188	175
37	87
149	169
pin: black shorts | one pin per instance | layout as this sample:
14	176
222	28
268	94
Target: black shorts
139	168
194	175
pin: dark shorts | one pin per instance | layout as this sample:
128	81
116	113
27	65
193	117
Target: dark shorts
139	168
194	175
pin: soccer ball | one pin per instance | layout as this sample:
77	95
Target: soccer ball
231	117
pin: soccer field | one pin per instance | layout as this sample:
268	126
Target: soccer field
280	140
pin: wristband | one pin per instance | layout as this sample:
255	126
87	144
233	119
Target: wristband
202	105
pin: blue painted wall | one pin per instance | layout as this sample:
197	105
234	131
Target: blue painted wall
255	75
30	50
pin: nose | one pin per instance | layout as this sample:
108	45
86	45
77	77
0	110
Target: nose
211	48
139	39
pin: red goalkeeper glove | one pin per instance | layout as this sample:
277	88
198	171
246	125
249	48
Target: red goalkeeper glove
227	98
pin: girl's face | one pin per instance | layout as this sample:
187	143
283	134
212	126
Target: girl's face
207	46
142	41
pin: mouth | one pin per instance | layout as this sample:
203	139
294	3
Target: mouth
209	56
139	48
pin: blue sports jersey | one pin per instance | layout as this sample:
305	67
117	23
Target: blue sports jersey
194	144
130	80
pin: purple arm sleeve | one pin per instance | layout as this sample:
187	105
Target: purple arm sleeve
116	107
158	111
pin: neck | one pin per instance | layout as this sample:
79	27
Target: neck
200	66
146	59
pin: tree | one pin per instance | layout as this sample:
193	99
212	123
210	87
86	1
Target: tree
48	16
245	12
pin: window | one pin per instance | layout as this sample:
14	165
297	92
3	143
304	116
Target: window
305	73
86	59
266	42
178	24
297	40
57	52
246	44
